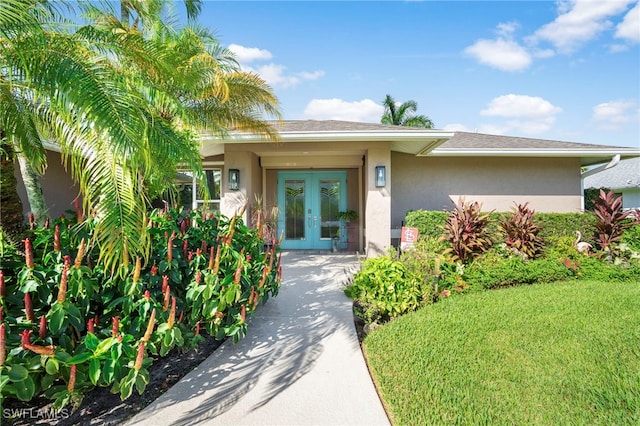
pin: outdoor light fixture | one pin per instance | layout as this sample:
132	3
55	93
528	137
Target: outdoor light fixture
234	179
381	176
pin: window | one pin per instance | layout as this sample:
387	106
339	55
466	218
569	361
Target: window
189	193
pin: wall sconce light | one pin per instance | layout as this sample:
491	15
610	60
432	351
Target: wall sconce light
234	179
381	176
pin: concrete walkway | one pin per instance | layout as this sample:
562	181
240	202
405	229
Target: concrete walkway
300	363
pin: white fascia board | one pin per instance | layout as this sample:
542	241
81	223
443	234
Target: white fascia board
533	152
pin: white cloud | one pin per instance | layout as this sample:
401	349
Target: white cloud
525	114
249	54
579	22
275	75
503	54
506	29
629	28
365	110
611	115
520	106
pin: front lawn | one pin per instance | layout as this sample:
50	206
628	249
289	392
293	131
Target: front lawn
561	353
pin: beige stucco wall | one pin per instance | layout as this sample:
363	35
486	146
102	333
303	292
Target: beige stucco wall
250	183
377	202
432	183
57	186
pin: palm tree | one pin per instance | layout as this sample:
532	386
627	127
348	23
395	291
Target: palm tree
61	87
402	114
76	89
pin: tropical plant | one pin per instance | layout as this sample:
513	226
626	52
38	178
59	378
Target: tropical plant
347	215
384	289
403	114
611	220
521	233
130	72
591	195
67	325
466	230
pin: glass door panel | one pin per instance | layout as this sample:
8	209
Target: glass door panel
294	207
329	208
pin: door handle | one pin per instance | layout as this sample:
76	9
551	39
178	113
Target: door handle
315	221
309	221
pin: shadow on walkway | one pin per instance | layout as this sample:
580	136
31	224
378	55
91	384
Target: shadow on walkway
300	362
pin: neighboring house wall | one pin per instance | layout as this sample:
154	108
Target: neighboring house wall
631	198
432	183
623	178
57	185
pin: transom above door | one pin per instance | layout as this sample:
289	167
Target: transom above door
309	204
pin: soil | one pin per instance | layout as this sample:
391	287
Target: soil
100	406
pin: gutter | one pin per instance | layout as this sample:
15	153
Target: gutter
614	162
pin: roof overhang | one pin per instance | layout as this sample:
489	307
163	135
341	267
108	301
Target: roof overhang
587	157
416	142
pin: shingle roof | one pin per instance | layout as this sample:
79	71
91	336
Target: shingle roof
433	142
338	126
625	175
466	141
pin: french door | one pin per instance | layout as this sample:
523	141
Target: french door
309	204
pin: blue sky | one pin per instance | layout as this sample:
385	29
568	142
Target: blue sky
566	70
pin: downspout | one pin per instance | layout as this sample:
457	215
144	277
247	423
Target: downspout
614	162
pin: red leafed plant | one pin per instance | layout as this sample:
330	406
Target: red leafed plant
611	220
466	230
521	234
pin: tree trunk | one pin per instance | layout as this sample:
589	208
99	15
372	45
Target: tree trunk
11	217
35	195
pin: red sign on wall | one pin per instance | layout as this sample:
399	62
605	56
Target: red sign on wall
408	238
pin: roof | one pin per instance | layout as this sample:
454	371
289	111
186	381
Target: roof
626	174
470	141
425	142
479	144
320	126
411	140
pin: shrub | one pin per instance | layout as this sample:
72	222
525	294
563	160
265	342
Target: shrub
591	195
521	234
466	230
611	220
384	289
429	223
494	271
68	325
631	237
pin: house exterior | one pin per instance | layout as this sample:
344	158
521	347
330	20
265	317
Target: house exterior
321	168
623	178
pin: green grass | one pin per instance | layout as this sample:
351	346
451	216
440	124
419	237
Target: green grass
548	354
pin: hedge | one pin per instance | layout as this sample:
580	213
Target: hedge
430	223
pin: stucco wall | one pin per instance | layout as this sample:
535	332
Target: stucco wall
57	186
378	203
432	183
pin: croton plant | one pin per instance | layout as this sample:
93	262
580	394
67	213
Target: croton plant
68	325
